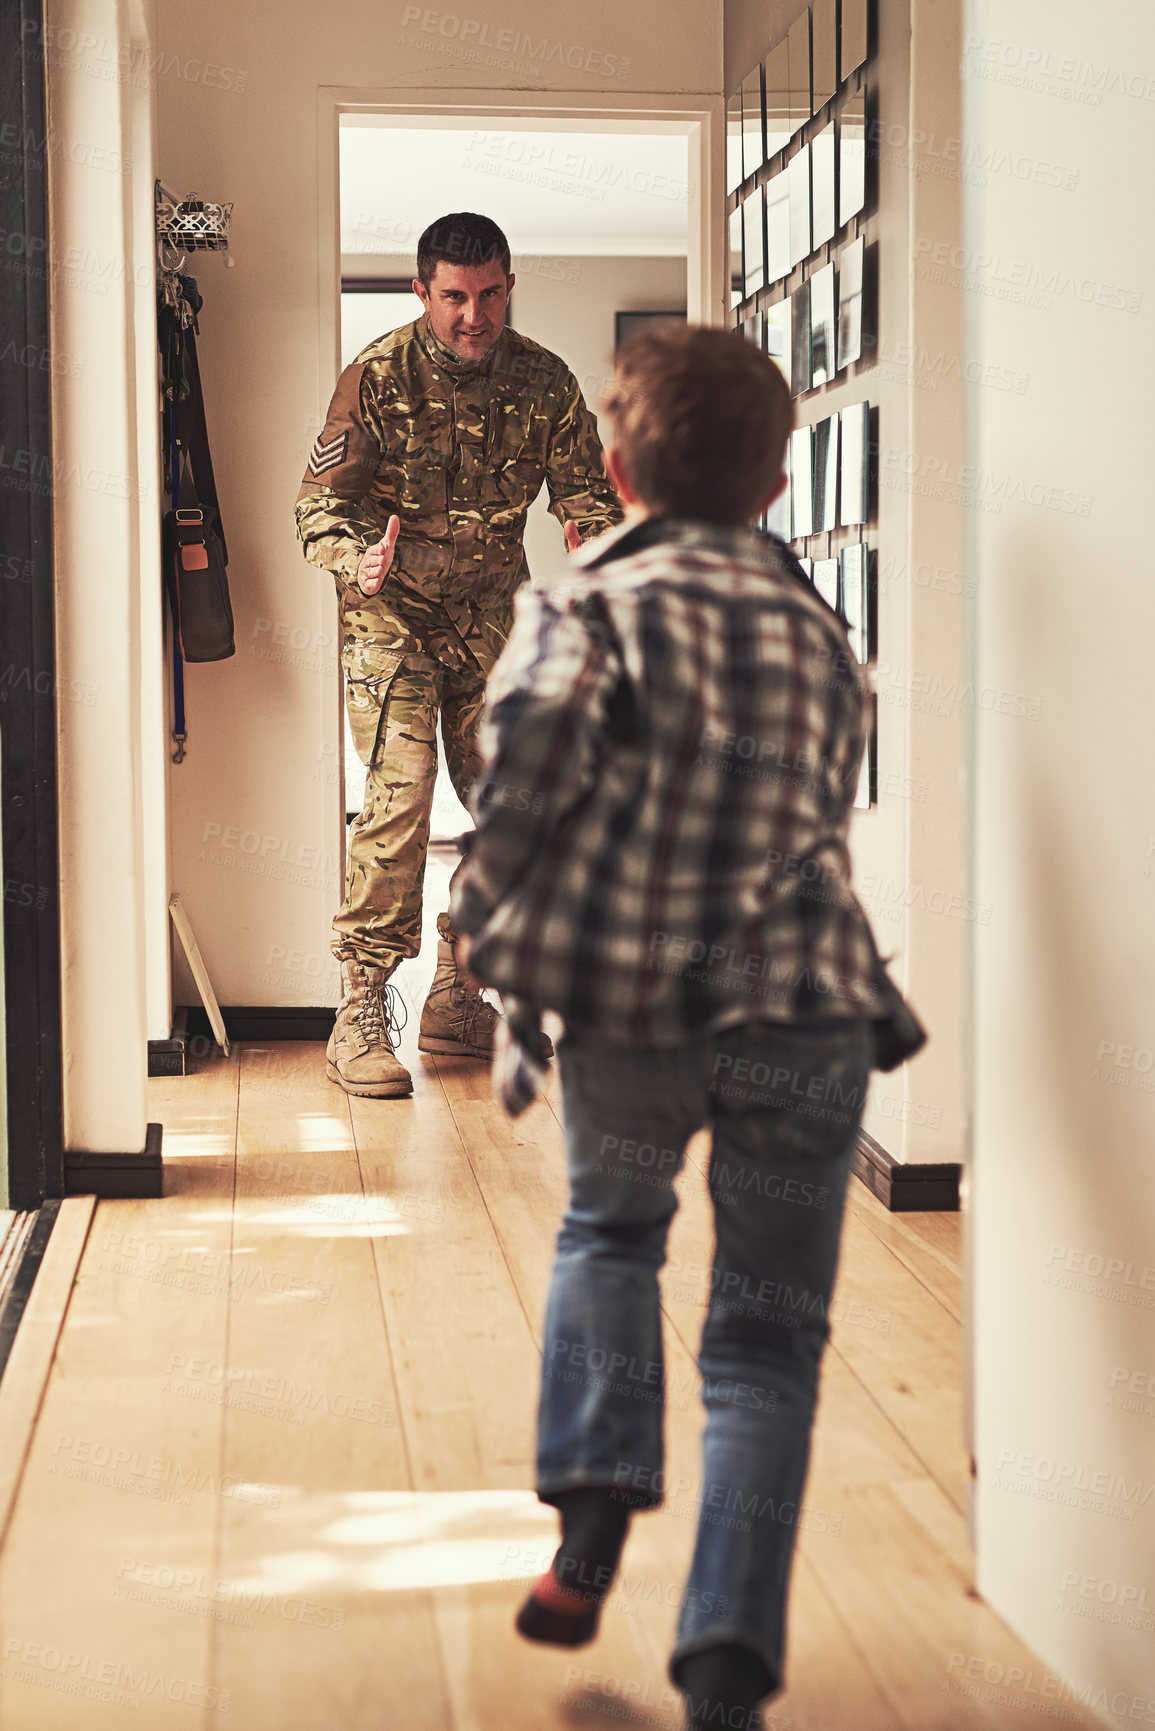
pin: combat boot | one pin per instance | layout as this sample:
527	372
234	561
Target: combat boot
361	1056
455	1021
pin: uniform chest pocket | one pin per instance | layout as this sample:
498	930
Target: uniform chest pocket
413	477
521	444
418	491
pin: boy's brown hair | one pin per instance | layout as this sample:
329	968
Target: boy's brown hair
701	420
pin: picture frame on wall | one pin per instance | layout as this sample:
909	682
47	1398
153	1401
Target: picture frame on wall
858	600
800	340
733	141
825	474
825	580
853	36
753	243
822	188
802	482
823	53
798	170
852	158
851	302
753	123
629	324
798	56
735	230
778	227
866	793
778	337
855	466
779	517
780	128
822	326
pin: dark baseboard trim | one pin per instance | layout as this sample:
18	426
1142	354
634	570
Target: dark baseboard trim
905	1189
166	1057
170	1057
125	1176
264	1022
16	1297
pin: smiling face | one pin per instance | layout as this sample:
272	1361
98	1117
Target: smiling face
466	304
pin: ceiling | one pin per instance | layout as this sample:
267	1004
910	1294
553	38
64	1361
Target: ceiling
573	192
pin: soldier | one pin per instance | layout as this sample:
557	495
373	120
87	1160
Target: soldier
437	440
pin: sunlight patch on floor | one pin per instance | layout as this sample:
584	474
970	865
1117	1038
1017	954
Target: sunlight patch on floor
335	1215
199	1144
400	1541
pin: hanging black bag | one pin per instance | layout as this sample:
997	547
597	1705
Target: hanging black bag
198	577
195	554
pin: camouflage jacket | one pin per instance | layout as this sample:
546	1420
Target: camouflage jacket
458	450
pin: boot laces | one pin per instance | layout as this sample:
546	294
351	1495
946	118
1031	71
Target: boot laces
474	1009
383	1015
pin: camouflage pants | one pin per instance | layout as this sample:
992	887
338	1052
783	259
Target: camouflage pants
393	700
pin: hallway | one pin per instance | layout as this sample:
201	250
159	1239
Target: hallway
282	1464
266	1444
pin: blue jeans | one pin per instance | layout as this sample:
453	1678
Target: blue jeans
784	1102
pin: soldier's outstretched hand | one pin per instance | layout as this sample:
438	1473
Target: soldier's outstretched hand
376	560
573	537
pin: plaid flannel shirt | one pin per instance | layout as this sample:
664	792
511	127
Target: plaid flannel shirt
672	741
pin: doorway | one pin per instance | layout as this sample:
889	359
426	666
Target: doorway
598	216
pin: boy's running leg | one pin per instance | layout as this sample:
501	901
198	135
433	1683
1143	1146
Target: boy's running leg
628	1116
778	1172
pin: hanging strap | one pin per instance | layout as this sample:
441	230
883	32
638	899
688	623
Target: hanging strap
193	434
179	733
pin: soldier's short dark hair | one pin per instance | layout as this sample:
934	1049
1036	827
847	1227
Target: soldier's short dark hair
701	420
463	237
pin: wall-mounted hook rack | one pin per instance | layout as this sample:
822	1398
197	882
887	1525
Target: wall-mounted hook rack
189	224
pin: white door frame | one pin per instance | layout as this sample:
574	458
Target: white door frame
698	115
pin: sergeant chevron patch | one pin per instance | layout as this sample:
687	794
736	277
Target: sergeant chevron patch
328	455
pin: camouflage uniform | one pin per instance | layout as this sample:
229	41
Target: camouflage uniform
457	450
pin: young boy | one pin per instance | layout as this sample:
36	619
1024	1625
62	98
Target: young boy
672	742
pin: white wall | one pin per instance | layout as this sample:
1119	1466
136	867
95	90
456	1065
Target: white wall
1059	278
105	445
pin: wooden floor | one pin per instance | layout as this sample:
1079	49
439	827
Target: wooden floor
280	1475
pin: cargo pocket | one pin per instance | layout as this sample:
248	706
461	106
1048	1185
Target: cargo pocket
369	673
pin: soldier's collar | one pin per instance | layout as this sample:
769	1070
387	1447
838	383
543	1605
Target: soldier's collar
446	358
